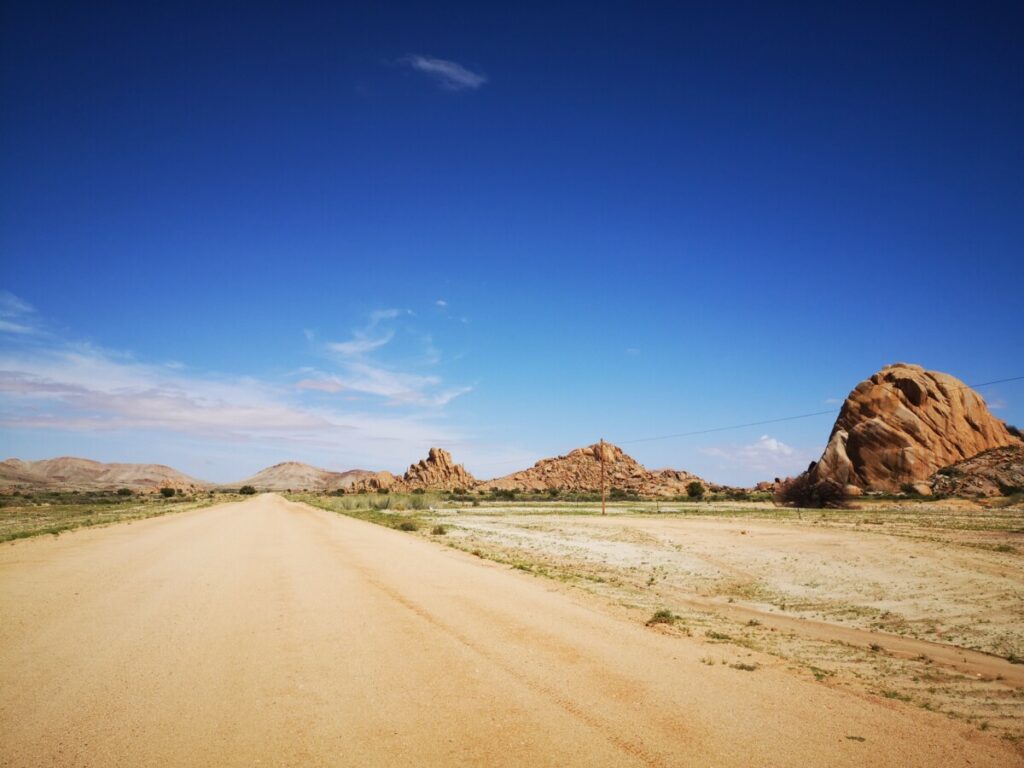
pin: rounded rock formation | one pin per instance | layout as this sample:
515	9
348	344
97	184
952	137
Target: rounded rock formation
901	425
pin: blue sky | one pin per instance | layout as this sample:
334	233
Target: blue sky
236	235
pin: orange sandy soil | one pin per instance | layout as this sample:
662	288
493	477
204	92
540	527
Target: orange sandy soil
270	633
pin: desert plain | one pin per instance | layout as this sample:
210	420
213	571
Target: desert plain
269	631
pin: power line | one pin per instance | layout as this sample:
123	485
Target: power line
788	418
779	420
724	429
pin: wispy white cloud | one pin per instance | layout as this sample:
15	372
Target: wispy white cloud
360	344
17	316
441	303
397	384
323	384
378	315
449	75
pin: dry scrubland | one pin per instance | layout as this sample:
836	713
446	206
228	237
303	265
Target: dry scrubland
24	515
917	602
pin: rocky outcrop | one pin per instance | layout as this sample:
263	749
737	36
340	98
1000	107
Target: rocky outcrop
580	471
996	472
437	472
902	425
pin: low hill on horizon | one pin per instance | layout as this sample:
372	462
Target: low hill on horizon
295	475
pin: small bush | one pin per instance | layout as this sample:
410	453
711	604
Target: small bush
664	616
124	491
418	490
439	530
803	491
247	490
1015	431
553	492
408	525
167	492
695	490
383	491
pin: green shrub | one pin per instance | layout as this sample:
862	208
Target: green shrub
408	525
124	491
802	491
167	492
439	530
383	491
695	490
664	616
247	490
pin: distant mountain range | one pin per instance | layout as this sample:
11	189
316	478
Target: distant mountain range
70	473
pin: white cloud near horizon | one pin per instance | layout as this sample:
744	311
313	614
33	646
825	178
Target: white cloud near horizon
449	75
768	457
49	383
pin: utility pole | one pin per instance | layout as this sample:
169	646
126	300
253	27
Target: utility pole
604	511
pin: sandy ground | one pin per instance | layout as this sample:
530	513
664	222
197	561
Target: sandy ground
909	611
271	633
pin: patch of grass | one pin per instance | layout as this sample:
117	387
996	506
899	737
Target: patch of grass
821	674
54	513
890	694
439	530
856	738
408	525
713	635
663	616
744	667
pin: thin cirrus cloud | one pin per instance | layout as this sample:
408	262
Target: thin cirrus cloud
360	344
359	374
448	75
17	316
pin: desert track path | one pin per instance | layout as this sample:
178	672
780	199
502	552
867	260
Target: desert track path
268	633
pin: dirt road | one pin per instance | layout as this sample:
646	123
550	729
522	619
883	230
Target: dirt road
269	633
